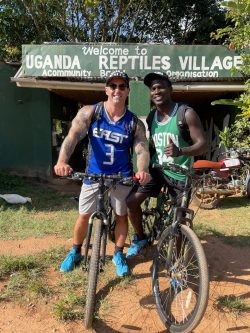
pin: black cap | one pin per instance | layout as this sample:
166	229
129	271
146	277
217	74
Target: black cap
149	78
118	74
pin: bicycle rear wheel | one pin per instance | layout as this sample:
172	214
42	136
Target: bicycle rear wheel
93	275
180	280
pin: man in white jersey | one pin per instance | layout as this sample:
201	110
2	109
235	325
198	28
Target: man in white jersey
110	141
169	147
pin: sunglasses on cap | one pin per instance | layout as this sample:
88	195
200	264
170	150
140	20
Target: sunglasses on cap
114	86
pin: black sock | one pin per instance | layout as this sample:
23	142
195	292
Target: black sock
119	249
77	247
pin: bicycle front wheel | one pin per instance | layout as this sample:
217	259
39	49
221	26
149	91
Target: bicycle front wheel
93	275
180	280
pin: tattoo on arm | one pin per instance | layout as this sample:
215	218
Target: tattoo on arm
141	147
78	130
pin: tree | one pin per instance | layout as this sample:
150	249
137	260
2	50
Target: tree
179	22
173	21
236	35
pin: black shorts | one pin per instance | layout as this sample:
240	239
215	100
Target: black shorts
159	180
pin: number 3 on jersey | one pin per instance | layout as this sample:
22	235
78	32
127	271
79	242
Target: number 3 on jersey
110	154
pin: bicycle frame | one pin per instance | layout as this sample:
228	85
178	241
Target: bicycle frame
182	212
103	209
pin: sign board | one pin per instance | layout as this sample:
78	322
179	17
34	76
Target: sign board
98	60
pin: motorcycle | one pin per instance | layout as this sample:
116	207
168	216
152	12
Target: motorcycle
229	176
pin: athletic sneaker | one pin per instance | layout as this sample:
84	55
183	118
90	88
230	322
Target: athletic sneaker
70	261
135	247
120	262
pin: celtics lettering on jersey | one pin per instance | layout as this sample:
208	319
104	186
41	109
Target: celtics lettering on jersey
160	141
162	132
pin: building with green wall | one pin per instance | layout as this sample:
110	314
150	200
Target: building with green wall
25	127
55	80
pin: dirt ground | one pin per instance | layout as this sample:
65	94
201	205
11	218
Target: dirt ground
133	309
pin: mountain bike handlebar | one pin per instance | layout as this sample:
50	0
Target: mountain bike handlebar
117	178
177	168
174	168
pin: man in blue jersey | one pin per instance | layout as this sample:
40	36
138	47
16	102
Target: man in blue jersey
110	141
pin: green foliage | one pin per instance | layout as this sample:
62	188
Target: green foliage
240	133
178	22
38	21
237	136
244	100
236	36
225	138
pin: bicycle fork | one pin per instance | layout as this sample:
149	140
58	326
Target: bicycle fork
102	216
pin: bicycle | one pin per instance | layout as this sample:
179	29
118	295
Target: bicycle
103	221
180	273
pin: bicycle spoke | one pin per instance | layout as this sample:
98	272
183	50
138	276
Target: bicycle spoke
177	280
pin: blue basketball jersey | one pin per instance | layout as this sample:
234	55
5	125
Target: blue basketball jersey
109	145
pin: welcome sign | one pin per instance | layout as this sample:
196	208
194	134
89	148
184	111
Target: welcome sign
98	60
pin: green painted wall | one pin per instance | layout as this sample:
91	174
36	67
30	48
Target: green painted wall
139	100
139	103
25	127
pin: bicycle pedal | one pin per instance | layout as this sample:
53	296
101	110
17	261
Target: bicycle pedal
143	251
101	267
85	268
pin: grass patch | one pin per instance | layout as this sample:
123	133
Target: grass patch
53	257
26	284
70	307
11	265
74	280
230	221
23	222
126	281
52	213
43	197
232	304
10	183
25	275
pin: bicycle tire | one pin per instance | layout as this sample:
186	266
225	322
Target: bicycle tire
180	280
93	275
